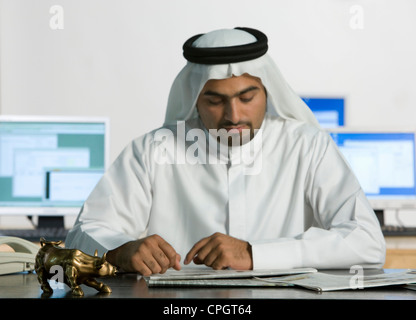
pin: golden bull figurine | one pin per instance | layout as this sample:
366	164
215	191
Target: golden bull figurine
77	267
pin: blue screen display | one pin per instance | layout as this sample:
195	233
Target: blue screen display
383	162
328	111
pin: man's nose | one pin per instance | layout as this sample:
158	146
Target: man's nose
232	112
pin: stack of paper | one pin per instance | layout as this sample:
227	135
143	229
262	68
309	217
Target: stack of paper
328	282
304	277
210	277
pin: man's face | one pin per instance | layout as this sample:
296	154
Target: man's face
237	104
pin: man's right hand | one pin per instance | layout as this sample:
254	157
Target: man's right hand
147	256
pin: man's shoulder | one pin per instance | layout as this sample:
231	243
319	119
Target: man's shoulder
293	128
292	135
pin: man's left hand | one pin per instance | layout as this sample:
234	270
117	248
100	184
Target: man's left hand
221	251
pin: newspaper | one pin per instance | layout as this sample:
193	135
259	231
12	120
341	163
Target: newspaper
188	275
328	282
411	286
306	278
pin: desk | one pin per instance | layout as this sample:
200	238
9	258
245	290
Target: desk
25	285
22	291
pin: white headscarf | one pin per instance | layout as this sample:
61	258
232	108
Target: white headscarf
281	99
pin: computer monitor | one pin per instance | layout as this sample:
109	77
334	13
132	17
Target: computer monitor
49	165
328	111
384	163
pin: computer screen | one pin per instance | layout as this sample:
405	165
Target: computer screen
49	165
328	111
384	163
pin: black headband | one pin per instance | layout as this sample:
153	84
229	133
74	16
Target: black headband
225	55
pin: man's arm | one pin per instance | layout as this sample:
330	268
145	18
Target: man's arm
113	215
345	230
221	251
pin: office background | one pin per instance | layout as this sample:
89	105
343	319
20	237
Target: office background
119	58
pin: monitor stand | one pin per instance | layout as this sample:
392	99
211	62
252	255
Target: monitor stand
52	228
389	230
50	222
380	216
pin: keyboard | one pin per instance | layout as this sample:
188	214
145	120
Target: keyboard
398	231
50	234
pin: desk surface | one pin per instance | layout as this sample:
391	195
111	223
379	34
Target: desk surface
130	293
25	285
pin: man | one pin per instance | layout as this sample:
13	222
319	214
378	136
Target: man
279	196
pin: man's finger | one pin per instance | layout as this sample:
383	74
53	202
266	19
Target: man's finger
177	265
208	253
195	249
167	254
139	266
209	257
157	255
152	265
162	260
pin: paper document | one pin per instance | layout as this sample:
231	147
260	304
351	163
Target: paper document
411	286
307	278
328	282
190	276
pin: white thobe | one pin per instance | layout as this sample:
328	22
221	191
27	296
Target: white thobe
299	206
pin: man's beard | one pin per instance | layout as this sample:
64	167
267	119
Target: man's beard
234	137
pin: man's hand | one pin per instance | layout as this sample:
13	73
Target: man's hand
147	256
221	251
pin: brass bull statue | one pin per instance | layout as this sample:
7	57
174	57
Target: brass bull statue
77	267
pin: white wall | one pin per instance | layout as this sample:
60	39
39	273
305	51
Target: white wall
119	58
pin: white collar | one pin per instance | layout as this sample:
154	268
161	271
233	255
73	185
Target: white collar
244	154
